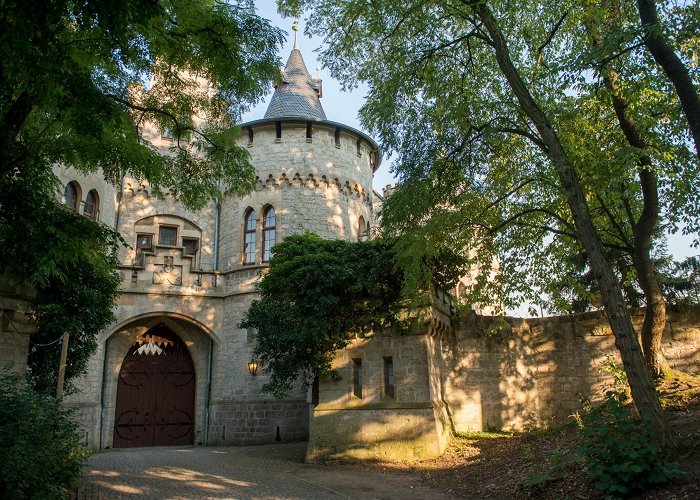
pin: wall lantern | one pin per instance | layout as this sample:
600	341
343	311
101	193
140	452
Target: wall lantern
253	367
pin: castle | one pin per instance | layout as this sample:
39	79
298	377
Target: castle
175	368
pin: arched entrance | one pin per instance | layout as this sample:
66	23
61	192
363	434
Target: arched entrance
155	392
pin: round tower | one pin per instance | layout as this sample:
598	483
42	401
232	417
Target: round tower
313	174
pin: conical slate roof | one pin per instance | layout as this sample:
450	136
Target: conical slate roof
298	93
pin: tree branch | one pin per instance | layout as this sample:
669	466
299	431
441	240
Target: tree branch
549	38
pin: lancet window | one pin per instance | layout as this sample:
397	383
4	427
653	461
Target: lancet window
249	238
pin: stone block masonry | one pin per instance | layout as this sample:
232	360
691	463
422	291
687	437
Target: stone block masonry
531	374
536	372
256	422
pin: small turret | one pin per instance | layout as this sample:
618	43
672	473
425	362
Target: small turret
298	94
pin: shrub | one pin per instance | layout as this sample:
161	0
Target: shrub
40	448
620	454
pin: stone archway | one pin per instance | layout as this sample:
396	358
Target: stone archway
155	400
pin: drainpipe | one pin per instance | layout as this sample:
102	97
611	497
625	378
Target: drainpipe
206	408
217	221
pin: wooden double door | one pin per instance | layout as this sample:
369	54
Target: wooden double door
155	392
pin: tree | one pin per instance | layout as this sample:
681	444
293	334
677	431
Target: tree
70	77
458	92
78	82
71	263
603	23
314	296
656	40
680	281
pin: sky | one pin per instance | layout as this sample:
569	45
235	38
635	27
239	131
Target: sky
343	107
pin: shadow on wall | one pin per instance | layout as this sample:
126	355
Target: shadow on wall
374	433
536	371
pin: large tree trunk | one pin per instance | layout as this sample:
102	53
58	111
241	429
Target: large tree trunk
672	65
643	393
655	311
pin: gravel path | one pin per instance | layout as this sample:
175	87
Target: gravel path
248	472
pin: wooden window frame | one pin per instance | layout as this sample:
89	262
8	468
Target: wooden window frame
249	228
269	233
140	250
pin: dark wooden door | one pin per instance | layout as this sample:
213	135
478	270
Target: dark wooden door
155	393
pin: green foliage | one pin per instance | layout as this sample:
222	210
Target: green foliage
680	281
554	467
618	374
620	454
315	295
40	446
73	83
473	172
70	261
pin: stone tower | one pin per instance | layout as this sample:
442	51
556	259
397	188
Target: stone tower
173	368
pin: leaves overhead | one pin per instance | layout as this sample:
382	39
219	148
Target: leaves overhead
474	173
73	78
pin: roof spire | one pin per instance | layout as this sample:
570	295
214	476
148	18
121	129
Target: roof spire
295	27
297	93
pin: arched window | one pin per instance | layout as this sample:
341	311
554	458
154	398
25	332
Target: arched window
249	238
362	233
92	204
71	196
269	233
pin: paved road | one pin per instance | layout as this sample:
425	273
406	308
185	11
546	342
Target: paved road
251	472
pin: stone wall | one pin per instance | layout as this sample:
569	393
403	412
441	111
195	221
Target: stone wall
312	185
106	193
378	424
16	325
257	422
536	371
452	378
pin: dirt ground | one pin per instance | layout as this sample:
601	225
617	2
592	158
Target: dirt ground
539	464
